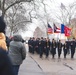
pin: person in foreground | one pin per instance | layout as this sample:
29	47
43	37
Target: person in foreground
17	52
5	64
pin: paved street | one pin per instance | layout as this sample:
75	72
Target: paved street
33	65
30	67
55	66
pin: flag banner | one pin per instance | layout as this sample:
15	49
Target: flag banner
56	29
62	28
67	31
50	30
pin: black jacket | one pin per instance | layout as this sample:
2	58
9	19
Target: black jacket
5	64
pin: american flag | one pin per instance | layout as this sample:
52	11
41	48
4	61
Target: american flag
56	29
50	30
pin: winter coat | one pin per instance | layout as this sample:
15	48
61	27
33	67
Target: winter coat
17	51
3	41
5	64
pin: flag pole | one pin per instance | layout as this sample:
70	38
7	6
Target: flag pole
47	30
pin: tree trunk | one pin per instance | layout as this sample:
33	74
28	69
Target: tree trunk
3	14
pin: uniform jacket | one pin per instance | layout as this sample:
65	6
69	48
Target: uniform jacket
59	45
65	46
53	45
47	44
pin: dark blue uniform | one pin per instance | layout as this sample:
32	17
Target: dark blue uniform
72	48
41	48
68	47
37	46
30	45
53	48
65	47
47	48
59	49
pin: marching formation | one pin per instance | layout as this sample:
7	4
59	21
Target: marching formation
45	46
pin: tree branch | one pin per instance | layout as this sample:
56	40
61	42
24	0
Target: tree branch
17	2
21	22
3	4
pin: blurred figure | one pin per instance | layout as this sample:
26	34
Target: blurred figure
17	52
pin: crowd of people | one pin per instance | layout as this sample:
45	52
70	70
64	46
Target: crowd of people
12	52
45	46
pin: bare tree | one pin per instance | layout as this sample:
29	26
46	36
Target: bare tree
66	14
42	15
16	19
7	4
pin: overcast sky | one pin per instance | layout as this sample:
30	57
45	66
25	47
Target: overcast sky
54	4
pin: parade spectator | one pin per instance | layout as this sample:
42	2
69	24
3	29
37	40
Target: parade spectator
5	63
17	52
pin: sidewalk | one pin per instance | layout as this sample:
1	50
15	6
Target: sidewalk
30	67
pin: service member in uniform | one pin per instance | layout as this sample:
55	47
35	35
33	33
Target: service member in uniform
72	47
47	47
65	47
59	48
53	48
